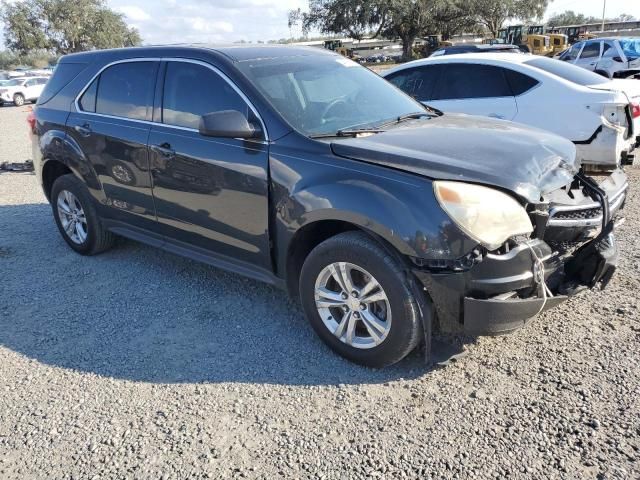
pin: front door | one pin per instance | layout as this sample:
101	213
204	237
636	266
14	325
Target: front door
211	193
111	127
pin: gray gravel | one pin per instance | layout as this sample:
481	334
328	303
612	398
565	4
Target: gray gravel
140	364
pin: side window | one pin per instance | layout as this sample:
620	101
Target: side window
417	82
519	82
572	53
590	50
126	90
465	80
88	99
192	90
609	50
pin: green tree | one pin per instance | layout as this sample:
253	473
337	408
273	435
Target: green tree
492	14
64	26
569	17
403	19
23	27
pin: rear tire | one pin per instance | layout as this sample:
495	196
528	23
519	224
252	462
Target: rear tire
18	100
77	218
374	333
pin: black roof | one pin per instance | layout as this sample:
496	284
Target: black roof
236	53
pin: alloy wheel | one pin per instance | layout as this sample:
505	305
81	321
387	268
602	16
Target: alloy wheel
353	305
72	217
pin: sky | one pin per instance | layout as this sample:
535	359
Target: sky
222	21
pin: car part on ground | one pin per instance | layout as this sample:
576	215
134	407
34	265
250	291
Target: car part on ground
249	159
17	166
601	117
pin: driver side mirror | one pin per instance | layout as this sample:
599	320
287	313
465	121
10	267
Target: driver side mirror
228	124
617	59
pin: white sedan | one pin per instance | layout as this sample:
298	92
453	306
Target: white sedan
602	117
21	90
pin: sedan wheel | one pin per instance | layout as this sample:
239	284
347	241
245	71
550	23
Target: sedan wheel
353	305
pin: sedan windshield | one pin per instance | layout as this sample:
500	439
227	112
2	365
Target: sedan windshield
324	94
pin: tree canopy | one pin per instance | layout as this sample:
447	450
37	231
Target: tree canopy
411	19
64	26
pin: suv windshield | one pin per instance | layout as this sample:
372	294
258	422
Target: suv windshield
567	71
323	94
631	47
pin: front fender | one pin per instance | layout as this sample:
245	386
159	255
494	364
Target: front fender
399	207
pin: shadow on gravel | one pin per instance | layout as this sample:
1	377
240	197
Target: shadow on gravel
141	314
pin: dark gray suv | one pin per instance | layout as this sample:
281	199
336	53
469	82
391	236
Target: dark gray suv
298	167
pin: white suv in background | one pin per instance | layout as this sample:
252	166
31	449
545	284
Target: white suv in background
21	90
601	117
610	57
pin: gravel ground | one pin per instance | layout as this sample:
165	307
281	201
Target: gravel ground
140	364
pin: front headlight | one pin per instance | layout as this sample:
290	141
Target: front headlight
485	214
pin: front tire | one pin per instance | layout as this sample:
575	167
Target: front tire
18	100
358	299
77	218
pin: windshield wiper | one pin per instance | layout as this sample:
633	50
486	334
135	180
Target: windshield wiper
347	132
411	116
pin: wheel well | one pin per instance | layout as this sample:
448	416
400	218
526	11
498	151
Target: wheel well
305	240
50	172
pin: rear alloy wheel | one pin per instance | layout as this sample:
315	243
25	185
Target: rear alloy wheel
76	216
358	299
72	217
18	100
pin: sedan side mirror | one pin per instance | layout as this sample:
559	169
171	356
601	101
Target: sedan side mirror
618	59
227	124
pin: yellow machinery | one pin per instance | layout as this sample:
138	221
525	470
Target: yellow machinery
432	43
337	46
530	37
559	42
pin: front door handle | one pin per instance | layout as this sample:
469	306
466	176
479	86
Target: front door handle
164	150
496	115
84	130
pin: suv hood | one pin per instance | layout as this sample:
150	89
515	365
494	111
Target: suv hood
527	161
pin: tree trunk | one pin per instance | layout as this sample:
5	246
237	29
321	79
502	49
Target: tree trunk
407	48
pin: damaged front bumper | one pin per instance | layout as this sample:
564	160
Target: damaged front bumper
573	251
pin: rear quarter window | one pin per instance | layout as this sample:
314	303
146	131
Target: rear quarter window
519	82
62	75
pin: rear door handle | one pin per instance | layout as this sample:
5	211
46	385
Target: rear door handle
84	130
496	115
164	149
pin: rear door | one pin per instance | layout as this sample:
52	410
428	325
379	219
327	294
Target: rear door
611	60
210	193
476	89
111	124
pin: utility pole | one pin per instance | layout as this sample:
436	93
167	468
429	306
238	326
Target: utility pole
604	7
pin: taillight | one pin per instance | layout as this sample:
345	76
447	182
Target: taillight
31	120
635	110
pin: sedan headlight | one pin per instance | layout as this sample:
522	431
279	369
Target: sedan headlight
485	214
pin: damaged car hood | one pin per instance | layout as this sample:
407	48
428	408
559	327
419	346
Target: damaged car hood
522	159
